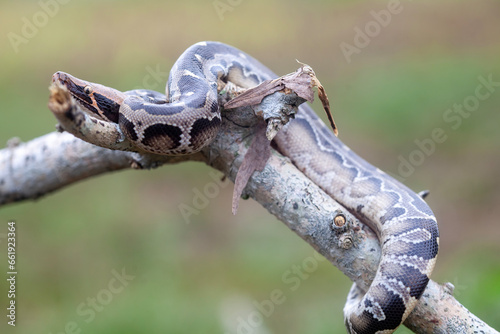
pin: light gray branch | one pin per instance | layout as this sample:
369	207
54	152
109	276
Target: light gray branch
48	163
42	165
45	164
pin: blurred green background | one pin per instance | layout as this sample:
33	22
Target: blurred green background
205	274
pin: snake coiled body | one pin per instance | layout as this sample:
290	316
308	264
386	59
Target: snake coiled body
187	118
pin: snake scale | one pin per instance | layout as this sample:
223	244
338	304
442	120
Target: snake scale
187	118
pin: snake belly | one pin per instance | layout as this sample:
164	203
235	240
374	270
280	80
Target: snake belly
188	118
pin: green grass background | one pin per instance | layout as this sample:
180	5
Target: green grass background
202	276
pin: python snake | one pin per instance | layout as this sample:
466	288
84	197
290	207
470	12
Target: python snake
187	118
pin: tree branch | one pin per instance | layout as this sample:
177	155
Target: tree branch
45	164
48	163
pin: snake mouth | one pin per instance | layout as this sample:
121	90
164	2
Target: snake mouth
76	88
60	77
100	101
74	85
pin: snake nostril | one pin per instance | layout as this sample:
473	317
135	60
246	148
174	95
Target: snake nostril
56	77
59	76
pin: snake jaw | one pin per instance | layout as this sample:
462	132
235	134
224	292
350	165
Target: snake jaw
99	101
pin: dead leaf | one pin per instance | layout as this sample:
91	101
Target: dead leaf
326	104
255	159
255	95
300	82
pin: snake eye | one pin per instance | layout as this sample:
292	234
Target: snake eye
87	90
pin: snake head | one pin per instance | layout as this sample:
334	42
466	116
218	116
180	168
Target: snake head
97	100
